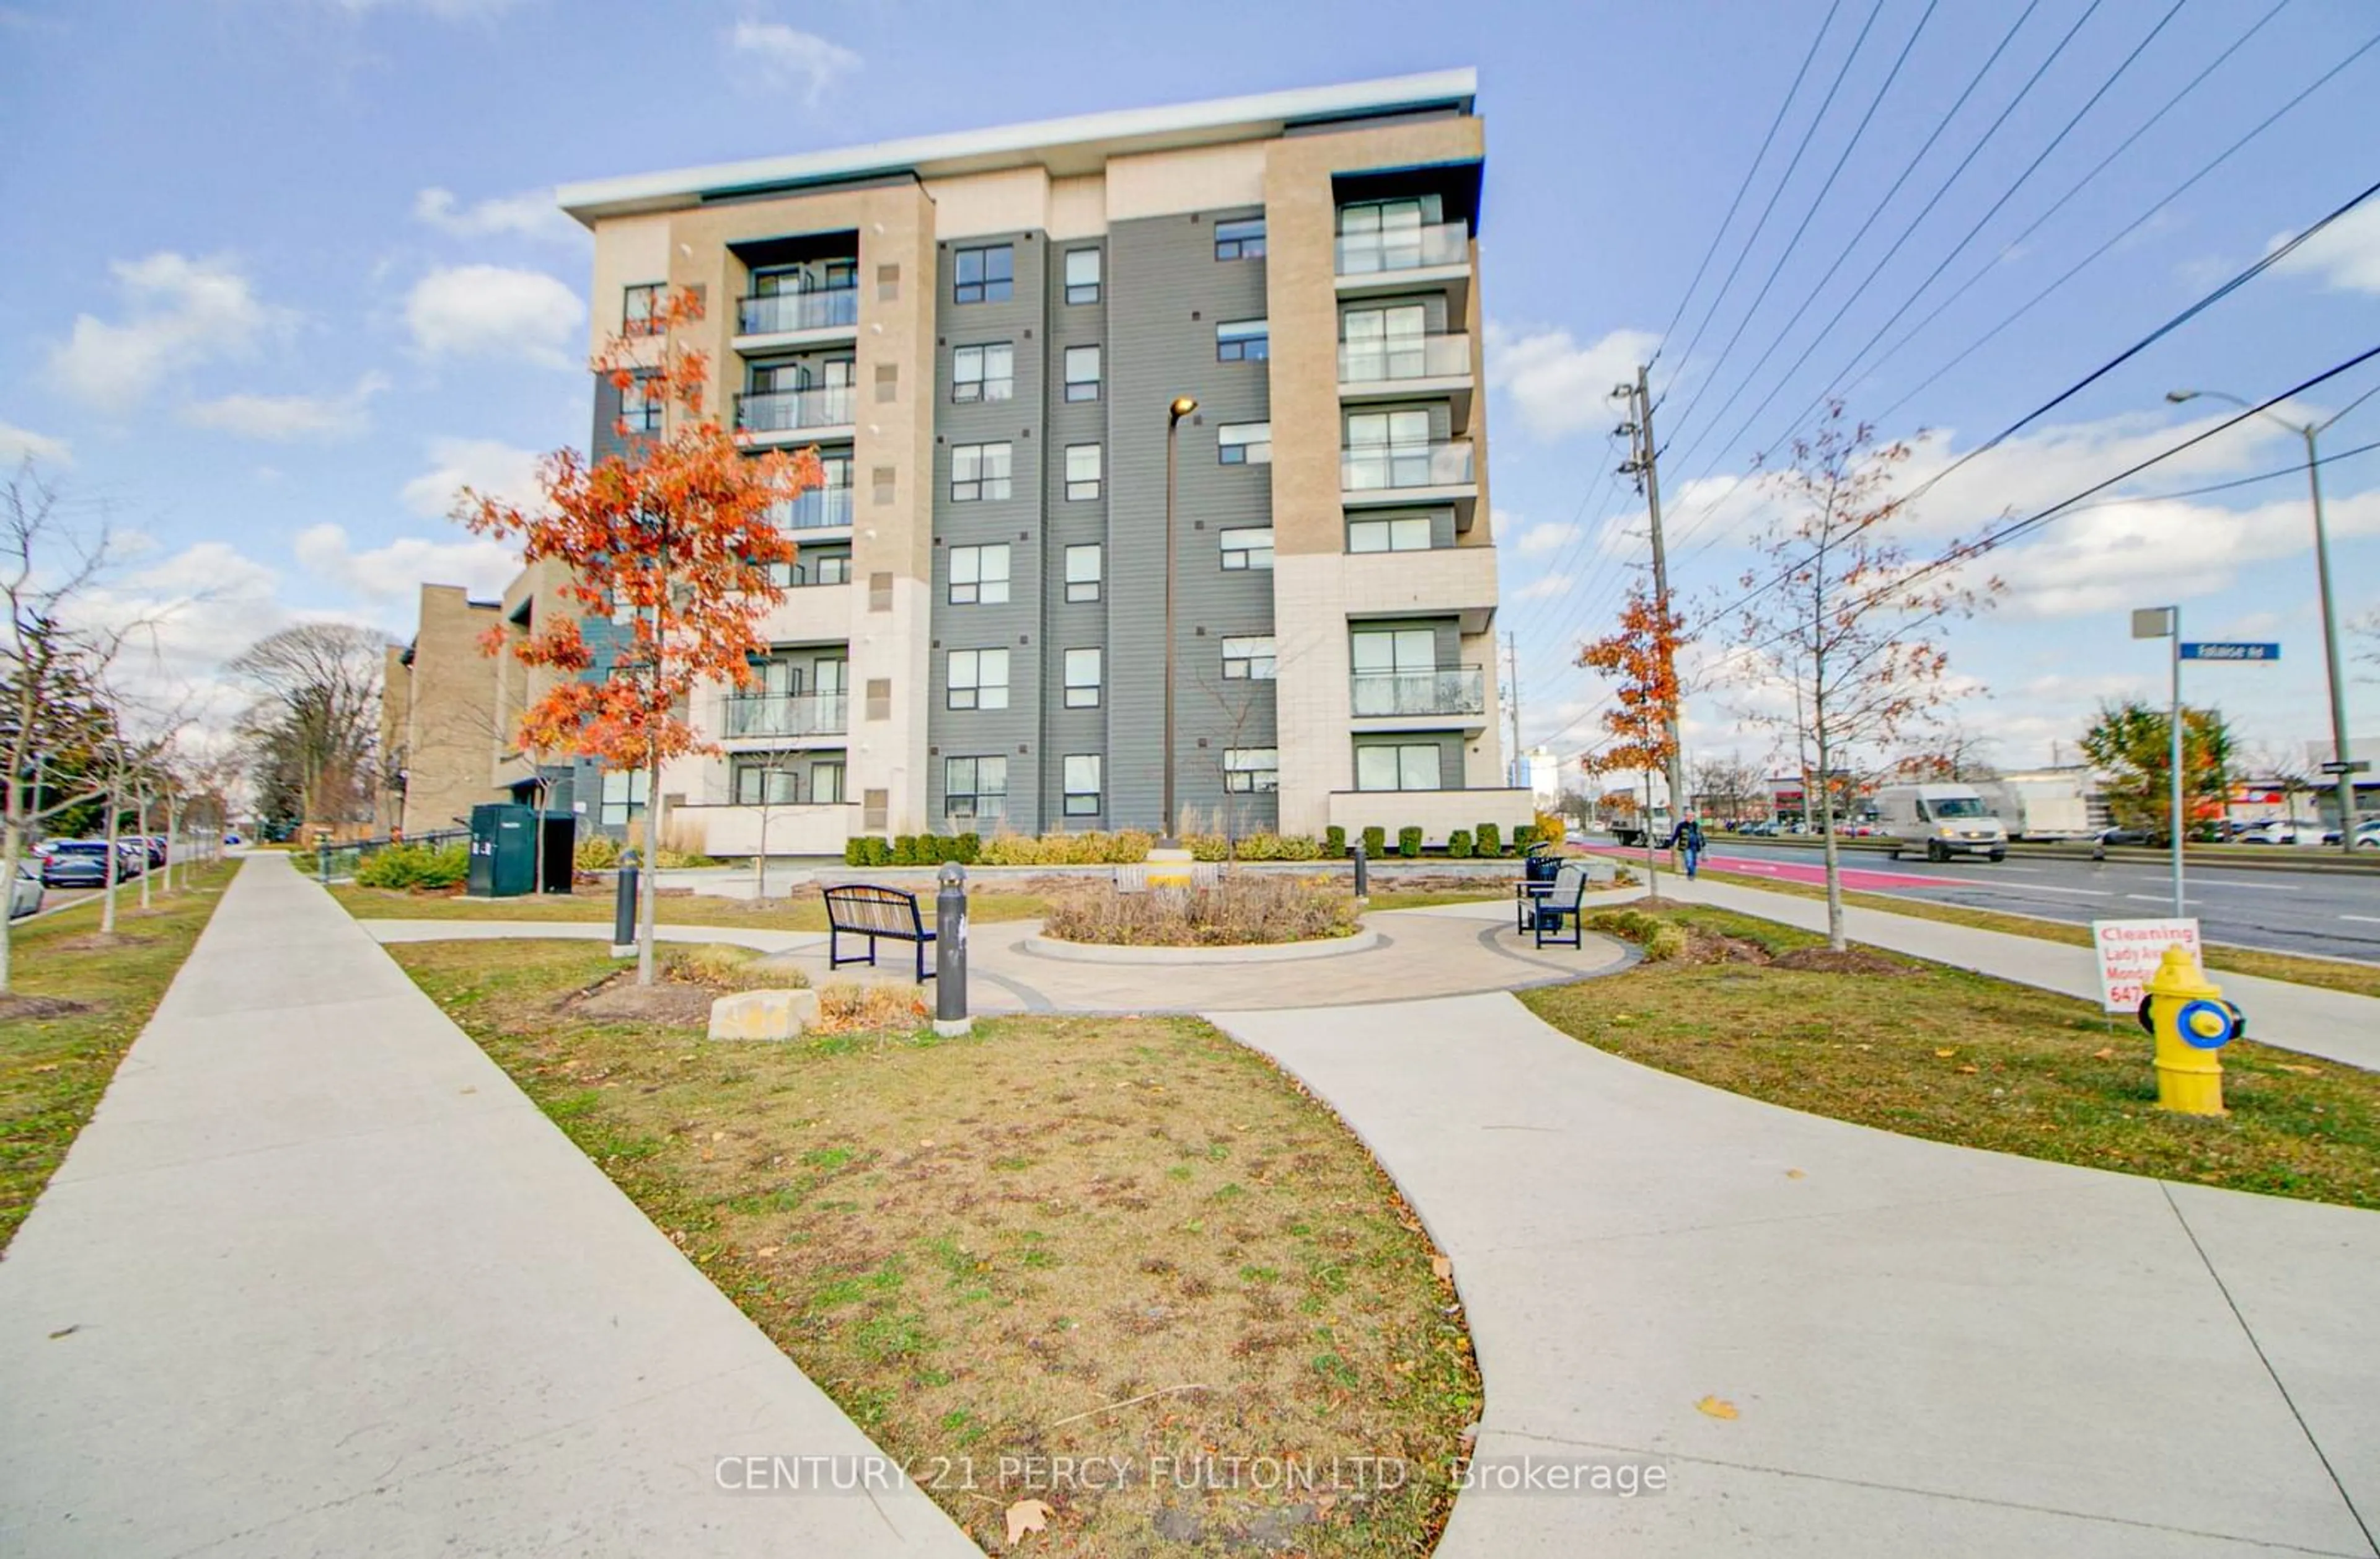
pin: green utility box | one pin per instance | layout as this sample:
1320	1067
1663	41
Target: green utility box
503	851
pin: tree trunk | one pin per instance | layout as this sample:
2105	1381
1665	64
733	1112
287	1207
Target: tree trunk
12	850
144	848
761	856
1652	873
1835	938
114	861
649	886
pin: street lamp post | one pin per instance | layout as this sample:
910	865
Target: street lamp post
2310	431
1182	407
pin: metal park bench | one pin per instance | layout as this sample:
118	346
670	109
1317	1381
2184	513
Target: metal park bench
1547	908
866	909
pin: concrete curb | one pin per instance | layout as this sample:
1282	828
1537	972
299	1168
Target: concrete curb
1269	953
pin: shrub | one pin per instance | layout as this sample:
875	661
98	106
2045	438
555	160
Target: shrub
1297	847
679	861
970	847
415	866
597	852
857	850
851	1009
1208	847
1246	908
1487	840
1334	842
725	965
905	851
1376	842
1660	939
1409	842
1458	844
1524	836
1552	828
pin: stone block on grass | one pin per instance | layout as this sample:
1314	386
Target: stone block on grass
763	1015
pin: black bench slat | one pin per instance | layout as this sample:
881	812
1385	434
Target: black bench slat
871	910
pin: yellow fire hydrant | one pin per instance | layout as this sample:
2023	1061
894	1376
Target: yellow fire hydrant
2190	1021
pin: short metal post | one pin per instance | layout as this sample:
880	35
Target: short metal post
624	907
323	861
949	953
1363	872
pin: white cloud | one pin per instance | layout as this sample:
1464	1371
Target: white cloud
2345	255
784	57
486	466
282	418
530	215
445	10
182	312
1559	387
1542	589
1538	541
493	312
391	577
18	444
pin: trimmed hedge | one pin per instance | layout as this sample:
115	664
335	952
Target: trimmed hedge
1376	842
1487	840
415	866
1458	844
1334	842
1409	842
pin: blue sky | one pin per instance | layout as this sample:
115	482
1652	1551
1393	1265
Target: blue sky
284	271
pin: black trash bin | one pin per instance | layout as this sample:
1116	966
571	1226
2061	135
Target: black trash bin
503	851
557	851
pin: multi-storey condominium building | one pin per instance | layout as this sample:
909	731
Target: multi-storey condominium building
987	338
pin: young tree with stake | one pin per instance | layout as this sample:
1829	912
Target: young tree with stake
675	539
1641	657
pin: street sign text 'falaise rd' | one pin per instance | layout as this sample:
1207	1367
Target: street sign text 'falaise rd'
2230	652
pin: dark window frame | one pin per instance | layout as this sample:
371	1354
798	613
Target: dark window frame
1253	345
1241	244
993	281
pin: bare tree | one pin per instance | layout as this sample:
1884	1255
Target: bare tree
1729	783
318	712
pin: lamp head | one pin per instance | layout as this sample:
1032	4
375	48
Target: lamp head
2178	397
1182	407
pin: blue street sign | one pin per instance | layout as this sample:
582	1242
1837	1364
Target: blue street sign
2230	652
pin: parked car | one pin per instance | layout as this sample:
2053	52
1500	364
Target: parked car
2367	835
156	845
75	863
1761	830
26	899
2121	836
2278	833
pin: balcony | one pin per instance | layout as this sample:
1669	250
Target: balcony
820	508
793	319
1410	473
1401	257
1401	367
781	715
1393	694
825	410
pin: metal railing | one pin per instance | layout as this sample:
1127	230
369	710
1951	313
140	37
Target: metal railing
1454	690
783	311
784	714
820	508
1375	468
1404	249
780	411
334	863
1444	354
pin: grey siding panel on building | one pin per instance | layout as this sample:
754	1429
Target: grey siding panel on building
606	441
1082	624
1014	732
1166	292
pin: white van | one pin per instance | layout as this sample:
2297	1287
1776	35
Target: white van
1947	820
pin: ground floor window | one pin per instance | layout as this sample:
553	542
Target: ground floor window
766	779
1399	766
625	793
975	789
1249	769
826	783
1082	785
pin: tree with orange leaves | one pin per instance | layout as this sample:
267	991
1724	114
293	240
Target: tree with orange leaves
1641	657
674	540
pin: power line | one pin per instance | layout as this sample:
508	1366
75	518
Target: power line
2297	469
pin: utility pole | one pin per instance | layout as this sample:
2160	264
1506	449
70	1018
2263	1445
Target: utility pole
1518	767
1644	464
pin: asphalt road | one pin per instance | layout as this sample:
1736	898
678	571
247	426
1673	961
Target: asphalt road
2335	916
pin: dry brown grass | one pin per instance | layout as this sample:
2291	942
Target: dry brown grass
988	1247
1243	909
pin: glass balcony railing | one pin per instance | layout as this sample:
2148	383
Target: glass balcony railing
786	714
1443	356
1385	467
820	508
1404	249
783	411
782	313
1455	690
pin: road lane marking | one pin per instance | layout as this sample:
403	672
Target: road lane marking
2261	887
2158	898
2367	920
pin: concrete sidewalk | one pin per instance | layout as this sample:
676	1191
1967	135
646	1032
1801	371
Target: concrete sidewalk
2300	1017
319	1279
1931	1350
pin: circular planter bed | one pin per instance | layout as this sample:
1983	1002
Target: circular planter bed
1241	953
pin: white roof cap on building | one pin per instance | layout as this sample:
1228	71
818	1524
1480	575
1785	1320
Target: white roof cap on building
1080	144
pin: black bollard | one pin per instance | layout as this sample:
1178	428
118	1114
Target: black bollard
1363	872
949	953
624	907
323	861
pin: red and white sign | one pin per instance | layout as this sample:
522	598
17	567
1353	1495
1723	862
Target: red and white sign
2129	953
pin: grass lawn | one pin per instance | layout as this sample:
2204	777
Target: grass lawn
1055	1238
53	1069
1960	1057
799	910
2356	979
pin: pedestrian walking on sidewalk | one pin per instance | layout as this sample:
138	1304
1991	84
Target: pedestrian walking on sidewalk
1687	840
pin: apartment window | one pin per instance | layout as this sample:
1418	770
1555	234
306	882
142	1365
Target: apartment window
985	276
1242	341
624	794
1084	466
830	568
985	372
1390	343
640	407
1082	679
979	576
1397	534
978	680
1401	766
1250	660
1251	769
1242	240
826	783
1386	449
978	472
1082	572
975	789
1250	548
1082	275
1244	444
766	779
1082	771
1082	373
640	305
